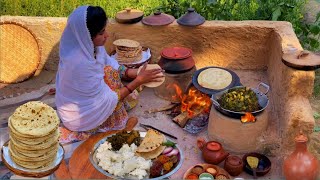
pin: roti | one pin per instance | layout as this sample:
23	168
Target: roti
126	43
153	84
214	78
152	154
152	141
34	119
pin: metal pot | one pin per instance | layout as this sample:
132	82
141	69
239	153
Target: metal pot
262	100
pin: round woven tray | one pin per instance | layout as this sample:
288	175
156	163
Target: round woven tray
19	53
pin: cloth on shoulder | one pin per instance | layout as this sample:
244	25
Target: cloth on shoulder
83	99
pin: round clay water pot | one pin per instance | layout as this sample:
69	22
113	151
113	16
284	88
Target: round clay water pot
233	165
301	164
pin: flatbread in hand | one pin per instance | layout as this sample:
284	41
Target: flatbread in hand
153	84
214	78
151	141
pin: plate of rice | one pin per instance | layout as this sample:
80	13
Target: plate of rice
136	155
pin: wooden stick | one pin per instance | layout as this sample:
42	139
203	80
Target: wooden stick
165	108
181	119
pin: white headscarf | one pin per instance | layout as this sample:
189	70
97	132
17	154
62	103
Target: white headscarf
83	99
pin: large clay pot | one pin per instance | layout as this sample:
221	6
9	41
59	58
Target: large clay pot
233	165
301	164
212	151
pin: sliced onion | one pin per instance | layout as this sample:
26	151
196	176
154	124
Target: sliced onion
167	150
174	152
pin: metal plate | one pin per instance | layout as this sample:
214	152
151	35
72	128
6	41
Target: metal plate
94	161
19	170
235	81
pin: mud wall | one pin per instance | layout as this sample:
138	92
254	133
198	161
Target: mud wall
253	45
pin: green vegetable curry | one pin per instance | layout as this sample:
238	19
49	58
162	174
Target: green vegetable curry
241	99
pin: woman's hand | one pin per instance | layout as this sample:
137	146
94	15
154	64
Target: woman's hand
146	76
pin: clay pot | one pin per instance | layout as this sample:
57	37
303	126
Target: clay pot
301	164
129	16
158	19
191	18
233	165
264	165
212	151
176	59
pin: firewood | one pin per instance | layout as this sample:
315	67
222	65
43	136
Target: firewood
181	119
165	108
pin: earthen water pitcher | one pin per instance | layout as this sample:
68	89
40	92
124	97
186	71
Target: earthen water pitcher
301	164
212	151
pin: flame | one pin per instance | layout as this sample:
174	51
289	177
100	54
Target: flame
248	117
178	90
195	102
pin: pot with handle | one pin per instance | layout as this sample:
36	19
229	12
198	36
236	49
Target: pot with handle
261	95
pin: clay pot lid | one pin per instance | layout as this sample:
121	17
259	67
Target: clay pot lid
302	60
213	146
191	18
128	15
158	19
301	137
176	53
234	160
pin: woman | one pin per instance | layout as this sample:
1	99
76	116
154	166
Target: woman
89	94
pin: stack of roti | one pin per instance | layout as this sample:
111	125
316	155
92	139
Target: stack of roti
34	135
151	146
128	51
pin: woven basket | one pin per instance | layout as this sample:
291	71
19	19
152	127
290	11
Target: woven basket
19	53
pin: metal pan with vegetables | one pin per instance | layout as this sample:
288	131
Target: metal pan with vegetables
236	101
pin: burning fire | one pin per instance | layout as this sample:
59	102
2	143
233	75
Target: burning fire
248	117
178	92
195	102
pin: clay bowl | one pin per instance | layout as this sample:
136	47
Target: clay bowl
264	165
220	171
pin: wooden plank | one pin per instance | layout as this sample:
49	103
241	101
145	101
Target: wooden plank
80	166
62	172
303	60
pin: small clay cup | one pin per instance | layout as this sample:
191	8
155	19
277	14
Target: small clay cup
233	165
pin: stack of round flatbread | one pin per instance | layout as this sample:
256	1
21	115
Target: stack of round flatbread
34	135
151	146
128	51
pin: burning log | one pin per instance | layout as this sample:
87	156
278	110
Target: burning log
193	104
181	119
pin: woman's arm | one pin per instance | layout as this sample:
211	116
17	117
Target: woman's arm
132	73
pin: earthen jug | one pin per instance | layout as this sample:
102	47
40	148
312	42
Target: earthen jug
301	164
212	151
233	165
